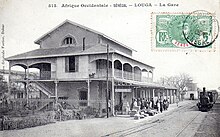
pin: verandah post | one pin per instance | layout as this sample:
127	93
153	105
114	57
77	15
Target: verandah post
107	80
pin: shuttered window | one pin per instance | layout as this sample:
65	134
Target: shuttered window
71	64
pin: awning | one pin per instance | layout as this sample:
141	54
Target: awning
123	90
144	84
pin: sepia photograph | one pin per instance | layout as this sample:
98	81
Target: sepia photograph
92	68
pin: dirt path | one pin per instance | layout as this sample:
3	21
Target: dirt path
210	126
169	124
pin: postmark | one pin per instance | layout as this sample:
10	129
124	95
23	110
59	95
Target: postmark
183	32
200	29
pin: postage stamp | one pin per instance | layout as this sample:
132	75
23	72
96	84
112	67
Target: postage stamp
196	31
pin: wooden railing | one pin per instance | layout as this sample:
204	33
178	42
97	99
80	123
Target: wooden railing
146	79
44	75
102	73
47	74
118	73
45	88
137	77
128	75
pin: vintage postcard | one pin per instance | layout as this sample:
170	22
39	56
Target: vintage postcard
107	68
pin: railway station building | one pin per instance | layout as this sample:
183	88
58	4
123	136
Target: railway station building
191	91
72	66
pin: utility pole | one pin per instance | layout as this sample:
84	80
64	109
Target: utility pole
107	80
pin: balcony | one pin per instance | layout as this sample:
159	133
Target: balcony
137	77
43	75
128	75
146	79
118	73
101	73
46	75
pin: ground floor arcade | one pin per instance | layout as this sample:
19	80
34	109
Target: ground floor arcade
92	92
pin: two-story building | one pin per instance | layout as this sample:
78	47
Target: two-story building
191	90
72	64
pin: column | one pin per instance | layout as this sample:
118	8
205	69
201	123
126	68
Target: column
173	96
145	91
133	90
56	91
133	73
122	71
152	75
113	86
167	94
170	97
27	80
88	98
113	97
25	74
153	93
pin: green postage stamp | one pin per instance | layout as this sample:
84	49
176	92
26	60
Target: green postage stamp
196	31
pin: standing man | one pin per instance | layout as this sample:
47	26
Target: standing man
161	105
152	103
177	101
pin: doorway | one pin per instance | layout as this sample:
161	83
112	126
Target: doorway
191	96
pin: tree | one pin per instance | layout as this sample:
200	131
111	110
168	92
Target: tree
3	85
179	81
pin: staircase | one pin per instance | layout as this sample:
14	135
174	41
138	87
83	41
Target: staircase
45	106
43	87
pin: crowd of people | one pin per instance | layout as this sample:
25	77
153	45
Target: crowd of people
146	106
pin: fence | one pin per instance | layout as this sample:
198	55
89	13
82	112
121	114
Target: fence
47	104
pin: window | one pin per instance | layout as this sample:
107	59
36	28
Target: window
83	95
71	64
68	41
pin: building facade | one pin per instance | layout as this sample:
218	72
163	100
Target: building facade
72	61
191	91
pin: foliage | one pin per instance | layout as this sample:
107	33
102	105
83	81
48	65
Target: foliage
72	113
179	81
89	112
3	85
27	122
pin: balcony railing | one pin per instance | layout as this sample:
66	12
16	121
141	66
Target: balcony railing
43	75
137	77
102	73
146	79
128	75
118	73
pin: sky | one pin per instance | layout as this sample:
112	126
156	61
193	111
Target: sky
25	21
